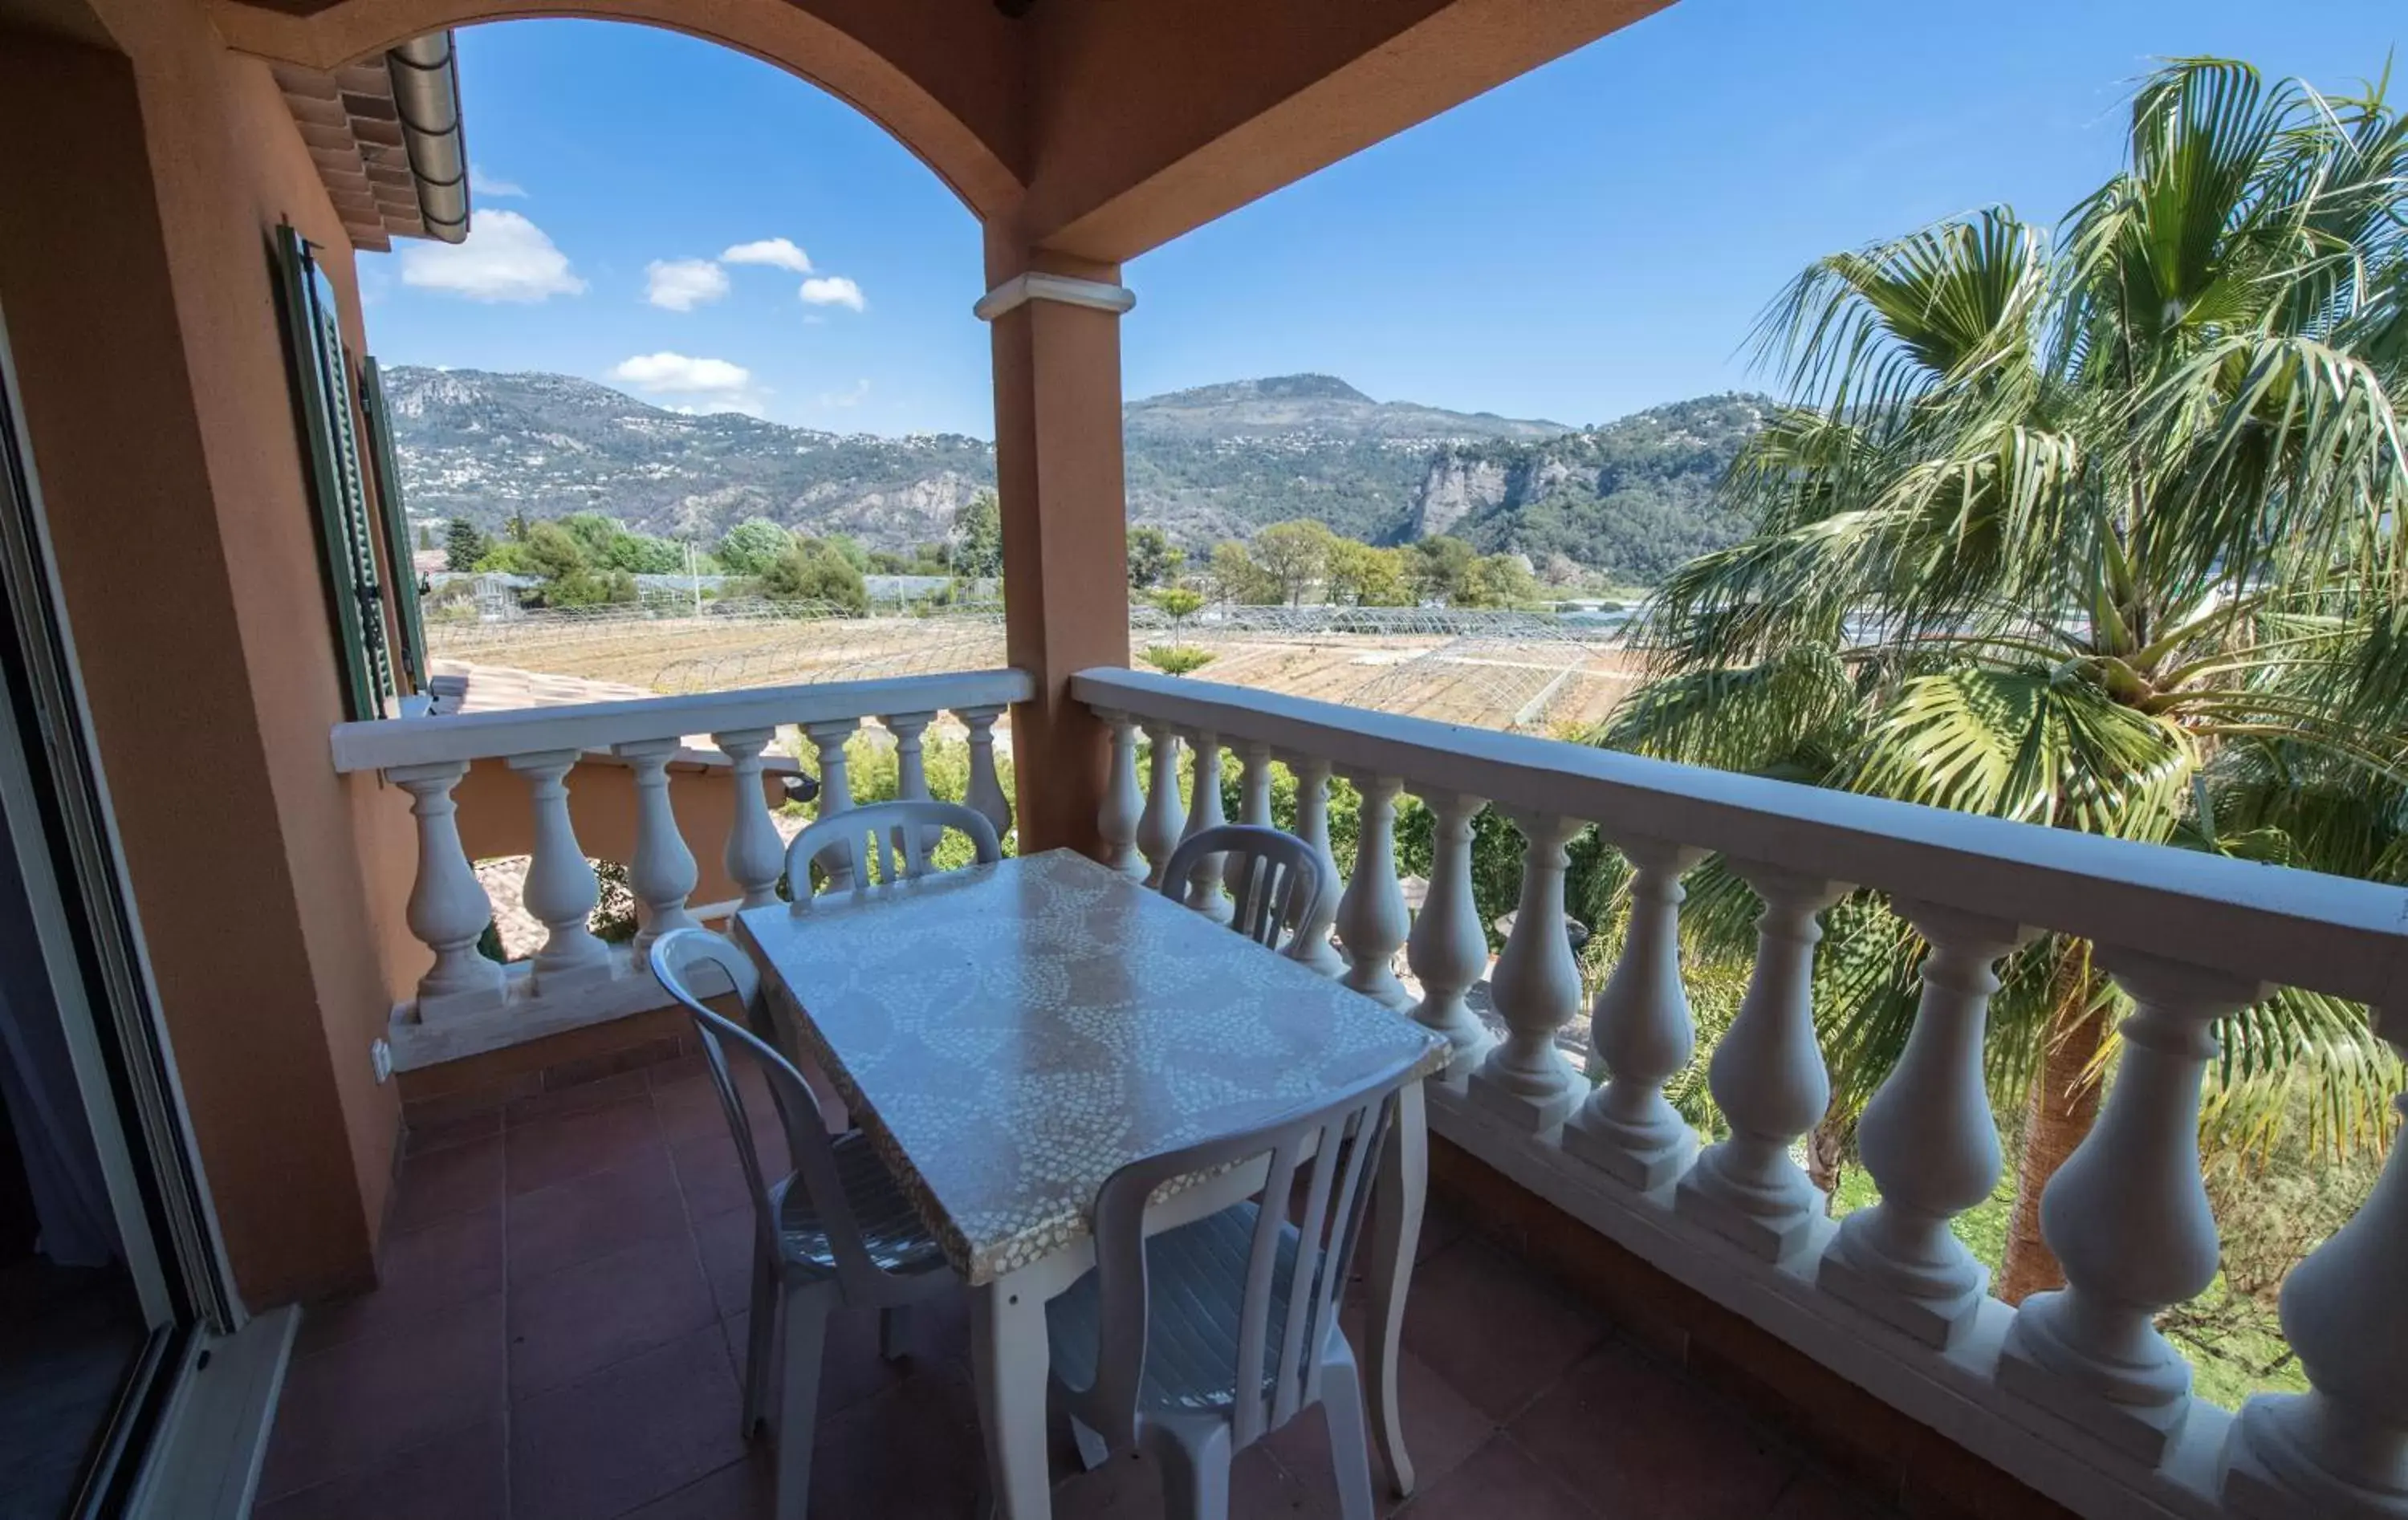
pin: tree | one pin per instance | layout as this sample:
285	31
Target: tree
464	545
1152	559
978	537
1178	603
2099	531
558	558
752	546
815	570
1235	578
1293	555
1178	659
1498	580
1438	570
1366	576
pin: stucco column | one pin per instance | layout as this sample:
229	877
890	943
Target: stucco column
1057	449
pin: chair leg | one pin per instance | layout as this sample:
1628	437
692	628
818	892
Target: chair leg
1350	1443
761	1344
1194	1474
895	1332
798	1411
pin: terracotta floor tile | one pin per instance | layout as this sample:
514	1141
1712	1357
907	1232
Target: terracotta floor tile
1811	1496
1496	1330
1441	1430
438	1134
1638	1439
912	1452
745	1489
456	1476
627	1435
851	1368
552	1151
727	1241
449	1261
567	1324
595	1215
359	1404
456	1180
1130	1488
688	1106
710	1178
579	1097
1501	1481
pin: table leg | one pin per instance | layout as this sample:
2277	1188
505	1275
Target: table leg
1396	1231
1009	1359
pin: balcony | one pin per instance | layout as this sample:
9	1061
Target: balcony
1610	1317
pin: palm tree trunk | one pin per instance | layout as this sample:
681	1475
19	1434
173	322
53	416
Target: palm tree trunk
1826	1151
2058	1113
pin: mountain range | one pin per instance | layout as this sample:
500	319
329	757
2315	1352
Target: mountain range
1631	497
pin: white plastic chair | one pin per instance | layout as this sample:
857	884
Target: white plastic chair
843	844
834	1233
1219	1332
1280	880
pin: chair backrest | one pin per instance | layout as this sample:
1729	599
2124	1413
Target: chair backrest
676	956
1277	1370
845	844
1277	879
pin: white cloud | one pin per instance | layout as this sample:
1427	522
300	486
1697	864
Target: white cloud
833	289
675	374
484	183
777	252
682	284
506	258
852	395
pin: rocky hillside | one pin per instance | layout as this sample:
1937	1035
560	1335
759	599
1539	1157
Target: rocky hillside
1208	464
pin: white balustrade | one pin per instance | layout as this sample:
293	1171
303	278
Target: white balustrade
1641	1032
1448	947
2341	1450
1768	1078
662	875
983	793
467	1003
560	889
1311	944
2074	1393
756	855
1204	811
1928	1138
911	767
1536	988
836	796
2127	1216
1158	828
1123	807
1253	806
448	908
1371	915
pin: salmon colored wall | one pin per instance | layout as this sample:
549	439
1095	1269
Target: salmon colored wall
135	272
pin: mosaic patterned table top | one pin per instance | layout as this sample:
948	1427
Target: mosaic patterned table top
1010	1034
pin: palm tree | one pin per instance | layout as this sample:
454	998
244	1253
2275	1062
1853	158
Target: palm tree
2099	530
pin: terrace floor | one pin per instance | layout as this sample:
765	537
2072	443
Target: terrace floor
561	1330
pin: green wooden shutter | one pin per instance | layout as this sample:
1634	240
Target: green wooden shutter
398	550
321	378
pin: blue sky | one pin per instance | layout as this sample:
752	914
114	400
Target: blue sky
1588	240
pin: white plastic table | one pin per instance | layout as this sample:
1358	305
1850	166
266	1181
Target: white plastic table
1009	1036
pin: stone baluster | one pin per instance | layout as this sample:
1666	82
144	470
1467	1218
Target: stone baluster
1253	806
836	796
1536	988
560	888
662	875
2340	1451
984	792
1768	1078
1371	915
911	768
1928	1140
1641	1032
2127	1216
448	908
1158	827
1204	811
1123	808
1448	948
1312	942
755	853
